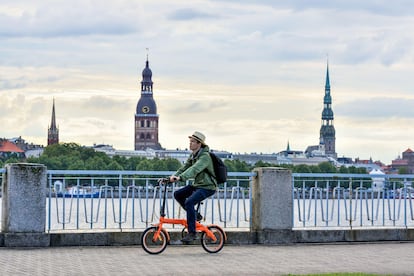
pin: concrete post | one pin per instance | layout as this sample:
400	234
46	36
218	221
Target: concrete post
272	205
24	205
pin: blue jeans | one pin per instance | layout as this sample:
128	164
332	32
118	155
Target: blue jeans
188	197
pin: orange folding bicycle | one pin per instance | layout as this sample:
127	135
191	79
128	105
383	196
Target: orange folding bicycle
155	238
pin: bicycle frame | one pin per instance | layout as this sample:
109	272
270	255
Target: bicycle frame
163	220
199	227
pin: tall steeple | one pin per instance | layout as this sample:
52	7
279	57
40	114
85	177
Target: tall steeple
53	131
146	117
327	131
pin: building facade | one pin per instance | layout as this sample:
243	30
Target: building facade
146	117
9	149
404	164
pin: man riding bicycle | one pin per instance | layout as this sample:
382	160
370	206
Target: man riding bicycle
199	167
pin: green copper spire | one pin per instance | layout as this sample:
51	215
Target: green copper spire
327	113
327	84
327	131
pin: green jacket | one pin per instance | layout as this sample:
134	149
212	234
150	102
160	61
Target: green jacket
200	168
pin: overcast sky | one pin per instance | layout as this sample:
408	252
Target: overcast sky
249	74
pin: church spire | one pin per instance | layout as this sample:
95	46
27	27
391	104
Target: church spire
146	83
327	113
53	131
327	131
53	123
146	117
327	84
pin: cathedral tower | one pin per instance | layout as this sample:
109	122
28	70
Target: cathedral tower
327	132
146	117
53	131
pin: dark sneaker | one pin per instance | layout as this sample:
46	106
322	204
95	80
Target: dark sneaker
189	237
199	217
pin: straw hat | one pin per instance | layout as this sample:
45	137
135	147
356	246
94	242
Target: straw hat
198	136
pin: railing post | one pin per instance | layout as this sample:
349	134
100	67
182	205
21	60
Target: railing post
272	205
24	205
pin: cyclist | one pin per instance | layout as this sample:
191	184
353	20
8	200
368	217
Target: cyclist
199	167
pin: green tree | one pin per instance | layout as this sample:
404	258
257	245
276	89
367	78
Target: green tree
327	167
172	164
76	164
12	160
95	163
237	166
352	169
114	166
86	153
132	162
315	169
52	163
343	169
158	165
144	165
60	149
121	160
362	170
302	168
287	166
262	164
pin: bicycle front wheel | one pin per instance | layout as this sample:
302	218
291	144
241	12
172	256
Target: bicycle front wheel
213	246
151	245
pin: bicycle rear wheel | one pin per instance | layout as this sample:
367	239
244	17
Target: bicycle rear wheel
213	246
151	245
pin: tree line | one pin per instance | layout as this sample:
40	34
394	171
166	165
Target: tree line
72	156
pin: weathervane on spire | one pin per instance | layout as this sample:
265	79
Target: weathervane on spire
147	52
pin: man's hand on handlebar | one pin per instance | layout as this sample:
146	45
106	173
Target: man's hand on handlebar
169	179
174	178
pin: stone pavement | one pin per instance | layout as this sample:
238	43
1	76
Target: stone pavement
389	258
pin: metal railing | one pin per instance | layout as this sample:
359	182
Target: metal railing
352	200
2	170
81	200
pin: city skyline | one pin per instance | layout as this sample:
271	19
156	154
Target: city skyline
249	75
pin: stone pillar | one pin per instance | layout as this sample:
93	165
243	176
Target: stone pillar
272	205
24	205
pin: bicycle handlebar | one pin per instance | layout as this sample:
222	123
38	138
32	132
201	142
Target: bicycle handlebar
164	180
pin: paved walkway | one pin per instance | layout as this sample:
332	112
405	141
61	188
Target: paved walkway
379	258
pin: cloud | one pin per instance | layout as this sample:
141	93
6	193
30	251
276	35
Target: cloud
189	14
383	7
251	74
50	19
12	84
378	108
